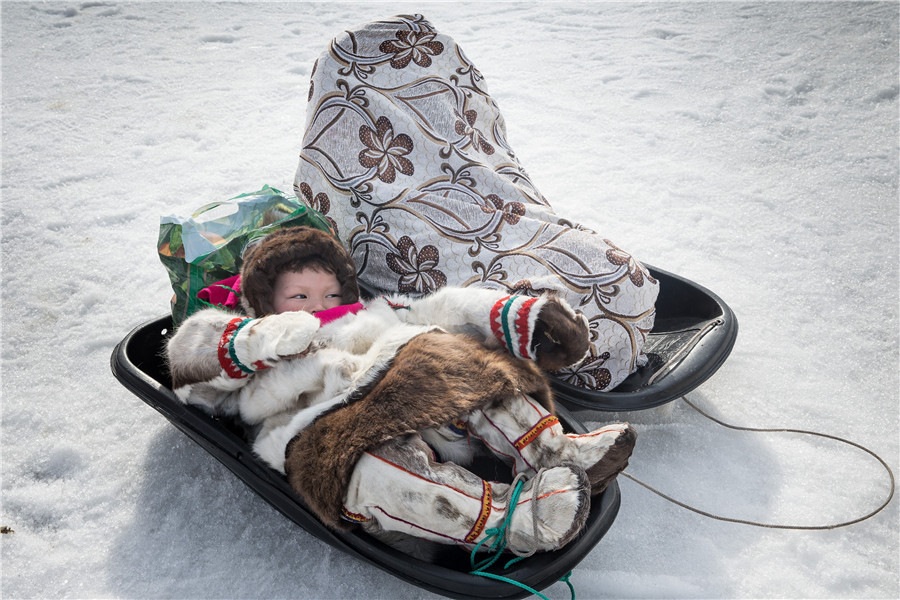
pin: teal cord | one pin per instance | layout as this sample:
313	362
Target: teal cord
225	287
512	581
565	579
211	305
498	535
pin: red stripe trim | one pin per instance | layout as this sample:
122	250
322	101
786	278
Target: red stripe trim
483	514
416	475
592	433
415	526
534	432
225	361
522	327
496	327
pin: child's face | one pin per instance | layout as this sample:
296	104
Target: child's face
308	290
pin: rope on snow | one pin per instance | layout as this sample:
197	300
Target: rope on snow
771	525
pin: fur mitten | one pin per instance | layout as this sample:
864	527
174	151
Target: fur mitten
561	336
267	340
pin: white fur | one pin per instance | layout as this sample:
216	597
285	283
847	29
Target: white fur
457	310
270	446
467	311
275	336
343	356
449	448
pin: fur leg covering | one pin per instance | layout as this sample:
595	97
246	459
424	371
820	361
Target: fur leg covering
522	432
434	379
398	487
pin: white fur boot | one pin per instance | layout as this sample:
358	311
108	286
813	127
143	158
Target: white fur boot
522	432
398	487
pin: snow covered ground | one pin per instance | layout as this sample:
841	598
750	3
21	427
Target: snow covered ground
752	147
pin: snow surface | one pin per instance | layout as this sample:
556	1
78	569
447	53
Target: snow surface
750	147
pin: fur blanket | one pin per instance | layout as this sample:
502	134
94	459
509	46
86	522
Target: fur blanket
405	151
434	379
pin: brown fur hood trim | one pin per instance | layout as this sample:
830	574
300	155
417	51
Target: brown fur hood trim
435	378
292	249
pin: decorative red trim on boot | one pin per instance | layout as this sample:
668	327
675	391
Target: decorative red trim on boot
483	515
353	517
534	432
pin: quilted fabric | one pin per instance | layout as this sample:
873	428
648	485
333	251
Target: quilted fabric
405	152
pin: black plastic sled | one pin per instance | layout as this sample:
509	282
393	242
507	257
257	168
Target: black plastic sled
138	364
692	336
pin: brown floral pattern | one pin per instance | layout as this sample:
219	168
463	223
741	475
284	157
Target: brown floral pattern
384	151
415	46
636	271
590	373
465	126
417	268
319	202
436	196
511	211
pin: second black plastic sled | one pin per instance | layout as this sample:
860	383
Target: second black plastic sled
137	363
692	336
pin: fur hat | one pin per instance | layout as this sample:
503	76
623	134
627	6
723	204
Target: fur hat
293	249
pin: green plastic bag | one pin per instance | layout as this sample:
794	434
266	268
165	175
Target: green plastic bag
207	246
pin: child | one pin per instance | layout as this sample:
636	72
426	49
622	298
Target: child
349	398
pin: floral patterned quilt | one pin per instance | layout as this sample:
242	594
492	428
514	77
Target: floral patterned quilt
405	152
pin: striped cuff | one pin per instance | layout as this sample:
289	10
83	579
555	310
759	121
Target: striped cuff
228	358
513	320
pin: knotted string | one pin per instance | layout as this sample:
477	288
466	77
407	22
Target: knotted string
499	545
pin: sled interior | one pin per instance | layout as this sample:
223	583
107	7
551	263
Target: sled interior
137	362
692	336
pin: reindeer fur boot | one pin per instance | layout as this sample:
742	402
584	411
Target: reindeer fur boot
523	432
398	487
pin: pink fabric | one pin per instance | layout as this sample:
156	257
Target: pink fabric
219	293
327	316
226	294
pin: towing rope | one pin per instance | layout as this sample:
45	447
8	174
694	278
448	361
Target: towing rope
496	536
771	525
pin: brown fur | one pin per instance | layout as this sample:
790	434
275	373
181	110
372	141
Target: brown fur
613	462
559	340
435	378
293	249
205	366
